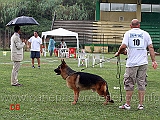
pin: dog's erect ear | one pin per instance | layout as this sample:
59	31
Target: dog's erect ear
63	62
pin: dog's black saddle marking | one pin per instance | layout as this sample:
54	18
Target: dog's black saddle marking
87	79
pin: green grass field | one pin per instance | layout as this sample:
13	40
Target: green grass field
45	96
2	1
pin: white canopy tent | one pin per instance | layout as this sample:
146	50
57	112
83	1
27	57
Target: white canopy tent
60	32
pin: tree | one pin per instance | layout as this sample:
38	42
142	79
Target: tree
88	5
43	10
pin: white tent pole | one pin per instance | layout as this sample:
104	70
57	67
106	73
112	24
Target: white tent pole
77	44
45	45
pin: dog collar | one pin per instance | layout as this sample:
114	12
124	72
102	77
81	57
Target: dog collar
70	75
66	77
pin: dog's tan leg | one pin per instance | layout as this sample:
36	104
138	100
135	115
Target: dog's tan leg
106	102
101	90
103	94
76	95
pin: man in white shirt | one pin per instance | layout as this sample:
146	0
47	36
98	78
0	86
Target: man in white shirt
34	43
136	41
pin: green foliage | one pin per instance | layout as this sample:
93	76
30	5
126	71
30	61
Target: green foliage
74	12
87	5
115	49
8	11
158	50
92	48
43	10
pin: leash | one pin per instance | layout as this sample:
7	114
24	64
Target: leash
118	75
99	62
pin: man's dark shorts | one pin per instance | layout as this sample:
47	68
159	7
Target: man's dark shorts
35	54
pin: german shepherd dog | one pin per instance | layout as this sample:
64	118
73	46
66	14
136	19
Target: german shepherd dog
78	81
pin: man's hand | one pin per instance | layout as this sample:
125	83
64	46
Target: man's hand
116	54
23	40
121	50
125	52
154	65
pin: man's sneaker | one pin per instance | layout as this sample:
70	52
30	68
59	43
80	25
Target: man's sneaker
39	67
33	66
125	106
18	84
140	107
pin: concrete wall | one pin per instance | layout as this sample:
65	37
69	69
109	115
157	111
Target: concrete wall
97	49
114	16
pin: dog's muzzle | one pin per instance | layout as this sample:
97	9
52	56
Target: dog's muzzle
57	71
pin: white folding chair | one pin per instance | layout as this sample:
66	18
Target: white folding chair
99	58
83	58
63	52
66	52
44	52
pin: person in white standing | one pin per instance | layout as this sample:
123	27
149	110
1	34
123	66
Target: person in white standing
16	55
136	41
35	45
